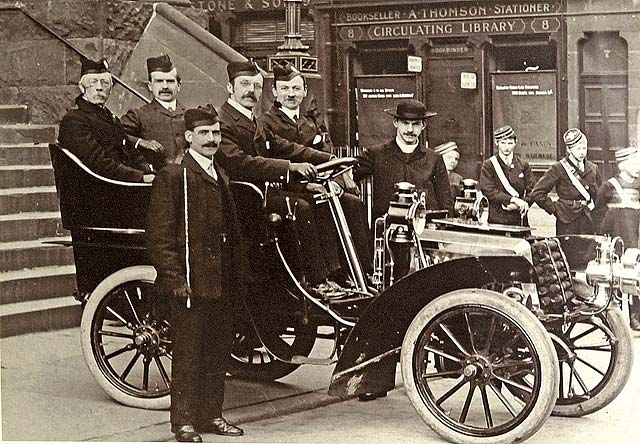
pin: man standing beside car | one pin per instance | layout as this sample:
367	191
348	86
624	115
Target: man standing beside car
194	243
157	128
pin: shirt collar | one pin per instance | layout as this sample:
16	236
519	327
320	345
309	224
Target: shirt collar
291	113
508	160
203	161
241	109
407	149
168	105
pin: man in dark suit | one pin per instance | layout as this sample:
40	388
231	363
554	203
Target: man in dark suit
250	152
405	159
576	181
157	128
507	181
197	251
285	119
94	134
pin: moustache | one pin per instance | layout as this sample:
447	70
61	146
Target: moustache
165	91
410	134
249	95
210	145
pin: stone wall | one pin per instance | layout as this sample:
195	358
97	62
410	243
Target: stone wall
42	72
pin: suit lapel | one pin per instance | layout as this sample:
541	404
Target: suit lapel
191	164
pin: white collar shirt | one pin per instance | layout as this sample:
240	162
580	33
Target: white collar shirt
205	162
291	113
170	106
244	111
407	149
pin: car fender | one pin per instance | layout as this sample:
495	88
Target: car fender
368	360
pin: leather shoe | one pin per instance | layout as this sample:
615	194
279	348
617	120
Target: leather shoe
220	426
364	397
186	433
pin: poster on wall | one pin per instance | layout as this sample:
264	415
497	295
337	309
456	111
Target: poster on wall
527	102
374	94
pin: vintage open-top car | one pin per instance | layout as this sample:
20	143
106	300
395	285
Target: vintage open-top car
494	329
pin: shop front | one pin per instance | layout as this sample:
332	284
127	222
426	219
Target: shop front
479	65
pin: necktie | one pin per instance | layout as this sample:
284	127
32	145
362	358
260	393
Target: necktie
212	171
295	117
171	109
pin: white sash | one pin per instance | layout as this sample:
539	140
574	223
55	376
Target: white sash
503	179
625	202
577	184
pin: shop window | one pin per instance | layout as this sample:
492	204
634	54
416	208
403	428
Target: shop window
518	56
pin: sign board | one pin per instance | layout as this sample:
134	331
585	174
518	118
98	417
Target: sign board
414	64
448	20
468	80
374	94
527	102
232	6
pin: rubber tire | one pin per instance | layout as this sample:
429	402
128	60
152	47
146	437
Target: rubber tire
622	366
130	274
526	320
273	370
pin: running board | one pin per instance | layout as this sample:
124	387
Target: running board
298	359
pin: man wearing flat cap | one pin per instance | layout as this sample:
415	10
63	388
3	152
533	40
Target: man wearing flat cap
250	152
576	181
406	159
506	181
94	134
451	156
197	251
157	128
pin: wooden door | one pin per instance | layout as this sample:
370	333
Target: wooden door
603	117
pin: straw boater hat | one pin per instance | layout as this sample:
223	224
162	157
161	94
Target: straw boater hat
503	133
410	110
572	137
625	154
446	147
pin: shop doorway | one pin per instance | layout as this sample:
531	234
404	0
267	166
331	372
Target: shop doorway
603	98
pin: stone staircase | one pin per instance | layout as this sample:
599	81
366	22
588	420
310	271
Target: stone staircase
37	279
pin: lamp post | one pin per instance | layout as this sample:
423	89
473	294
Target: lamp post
293	50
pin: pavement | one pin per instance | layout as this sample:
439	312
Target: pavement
48	394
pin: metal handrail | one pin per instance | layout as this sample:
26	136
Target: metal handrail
20	7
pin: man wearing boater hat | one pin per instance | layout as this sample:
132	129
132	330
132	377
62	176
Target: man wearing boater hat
94	134
405	159
507	181
250	152
617	211
157	128
199	257
576	181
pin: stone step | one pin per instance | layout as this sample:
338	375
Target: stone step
26	133
21	176
34	253
30	226
29	199
10	114
33	284
42	315
25	153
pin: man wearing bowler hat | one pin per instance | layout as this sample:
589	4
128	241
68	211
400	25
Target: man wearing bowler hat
94	134
576	181
194	244
406	159
157	128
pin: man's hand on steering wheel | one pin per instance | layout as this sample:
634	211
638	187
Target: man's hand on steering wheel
304	169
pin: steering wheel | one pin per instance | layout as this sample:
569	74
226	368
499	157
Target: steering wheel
334	168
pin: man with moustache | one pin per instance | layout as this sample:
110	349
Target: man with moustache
195	245
157	128
576	181
94	134
405	159
250	152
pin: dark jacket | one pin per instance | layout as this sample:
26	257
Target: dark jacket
99	140
152	121
250	152
307	128
521	179
613	217
213	230
570	205
424	168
